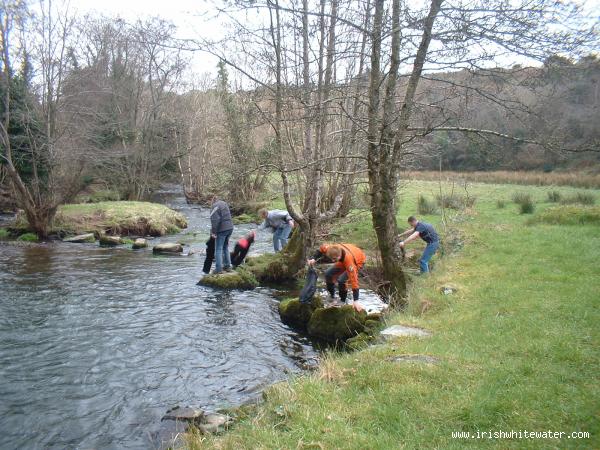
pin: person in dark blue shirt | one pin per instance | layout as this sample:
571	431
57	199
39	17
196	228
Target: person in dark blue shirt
426	232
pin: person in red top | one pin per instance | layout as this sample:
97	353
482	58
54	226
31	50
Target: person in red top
348	259
241	249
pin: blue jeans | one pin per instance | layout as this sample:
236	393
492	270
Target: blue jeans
222	250
427	254
280	237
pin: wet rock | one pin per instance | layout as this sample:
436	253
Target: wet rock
402	331
82	238
139	243
336	324
214	423
110	241
185	414
168	247
238	279
414	359
296	314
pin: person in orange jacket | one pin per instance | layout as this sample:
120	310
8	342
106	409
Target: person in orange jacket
348	259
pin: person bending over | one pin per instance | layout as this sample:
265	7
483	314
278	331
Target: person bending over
238	255
348	259
426	232
280	223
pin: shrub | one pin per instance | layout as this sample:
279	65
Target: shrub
554	196
569	215
526	206
521	198
4	234
454	201
425	206
28	237
581	198
500	204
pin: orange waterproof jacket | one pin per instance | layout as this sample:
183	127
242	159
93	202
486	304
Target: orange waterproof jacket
353	258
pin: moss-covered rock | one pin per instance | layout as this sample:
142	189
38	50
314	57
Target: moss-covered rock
372	325
336	324
278	267
359	341
238	279
296	314
245	218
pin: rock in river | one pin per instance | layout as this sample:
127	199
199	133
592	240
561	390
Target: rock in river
110	240
88	237
139	243
167	247
238	279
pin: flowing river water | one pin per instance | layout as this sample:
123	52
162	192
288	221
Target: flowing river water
96	344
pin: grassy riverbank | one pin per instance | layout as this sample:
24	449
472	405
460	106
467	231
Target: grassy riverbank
517	343
118	217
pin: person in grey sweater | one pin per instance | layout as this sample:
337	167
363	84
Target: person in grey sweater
221	229
280	223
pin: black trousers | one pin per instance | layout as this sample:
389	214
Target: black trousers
210	255
340	275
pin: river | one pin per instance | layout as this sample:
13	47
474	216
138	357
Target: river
96	344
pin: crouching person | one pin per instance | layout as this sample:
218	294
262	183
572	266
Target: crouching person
426	232
348	259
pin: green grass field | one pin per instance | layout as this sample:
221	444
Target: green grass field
518	343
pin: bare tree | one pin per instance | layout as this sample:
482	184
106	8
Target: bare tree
49	138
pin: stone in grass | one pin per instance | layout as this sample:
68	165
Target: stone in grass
448	289
168	247
402	331
336	324
110	241
82	238
214	423
296	314
139	243
415	359
238	279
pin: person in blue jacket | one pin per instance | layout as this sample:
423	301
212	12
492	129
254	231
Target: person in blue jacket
426	232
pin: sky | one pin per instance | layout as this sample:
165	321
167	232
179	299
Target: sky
194	18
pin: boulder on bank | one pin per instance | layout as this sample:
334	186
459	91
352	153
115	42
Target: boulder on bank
110	241
238	279
336	323
168	248
82	238
296	314
139	243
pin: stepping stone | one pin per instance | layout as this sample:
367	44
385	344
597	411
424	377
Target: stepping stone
415	359
80	239
139	243
110	240
168	247
401	331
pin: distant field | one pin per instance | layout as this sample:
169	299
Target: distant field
517	343
575	179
